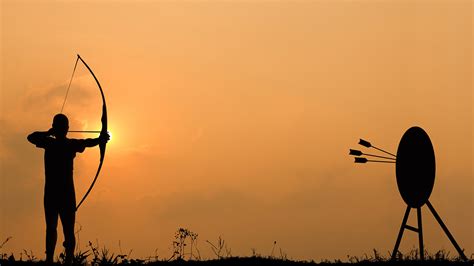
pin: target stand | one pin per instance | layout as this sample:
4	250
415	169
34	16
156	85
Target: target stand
415	172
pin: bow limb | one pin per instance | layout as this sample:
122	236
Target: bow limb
103	131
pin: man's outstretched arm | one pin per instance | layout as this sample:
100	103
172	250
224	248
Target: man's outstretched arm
94	142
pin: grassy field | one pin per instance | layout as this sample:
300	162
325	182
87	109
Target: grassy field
185	252
96	256
247	261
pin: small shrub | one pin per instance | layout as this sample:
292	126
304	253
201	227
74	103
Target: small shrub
182	237
220	249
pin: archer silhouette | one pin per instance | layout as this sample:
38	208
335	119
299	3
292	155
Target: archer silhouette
59	195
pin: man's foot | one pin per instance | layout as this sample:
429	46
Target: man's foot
68	262
49	261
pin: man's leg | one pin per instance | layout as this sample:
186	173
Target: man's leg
51	215
68	219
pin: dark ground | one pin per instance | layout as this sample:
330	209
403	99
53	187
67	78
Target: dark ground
248	261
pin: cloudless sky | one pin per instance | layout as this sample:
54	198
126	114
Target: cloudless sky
234	119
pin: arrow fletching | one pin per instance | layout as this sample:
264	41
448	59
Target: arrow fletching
365	143
355	152
360	160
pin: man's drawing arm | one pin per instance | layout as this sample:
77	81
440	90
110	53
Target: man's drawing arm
40	138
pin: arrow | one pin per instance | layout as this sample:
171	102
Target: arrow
84	131
365	143
365	160
359	153
355	152
368	145
360	160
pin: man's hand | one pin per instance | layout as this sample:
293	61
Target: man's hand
50	132
104	138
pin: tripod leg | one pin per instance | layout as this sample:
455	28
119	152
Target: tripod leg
400	234
420	234
446	231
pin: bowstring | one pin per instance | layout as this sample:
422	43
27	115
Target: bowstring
69	86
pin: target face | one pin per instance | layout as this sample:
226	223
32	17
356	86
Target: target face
415	167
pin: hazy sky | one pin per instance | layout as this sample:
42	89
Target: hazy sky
234	119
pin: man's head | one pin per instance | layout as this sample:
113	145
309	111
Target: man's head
60	125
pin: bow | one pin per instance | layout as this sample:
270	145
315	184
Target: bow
103	131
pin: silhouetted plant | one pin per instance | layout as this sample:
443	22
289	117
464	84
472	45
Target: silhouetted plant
80	257
255	254
78	237
182	236
30	257
4	255
105	257
153	258
220	249
5	241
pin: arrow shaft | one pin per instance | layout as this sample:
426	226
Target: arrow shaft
84	131
378	156
384	151
380	161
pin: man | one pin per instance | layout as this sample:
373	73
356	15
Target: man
59	195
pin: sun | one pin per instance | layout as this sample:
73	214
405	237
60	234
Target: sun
84	132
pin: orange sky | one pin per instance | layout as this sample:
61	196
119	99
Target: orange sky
234	118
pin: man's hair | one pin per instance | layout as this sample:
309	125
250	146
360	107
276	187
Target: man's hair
60	120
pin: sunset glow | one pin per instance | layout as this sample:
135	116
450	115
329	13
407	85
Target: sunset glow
235	119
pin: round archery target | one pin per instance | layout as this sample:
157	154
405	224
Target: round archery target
415	167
